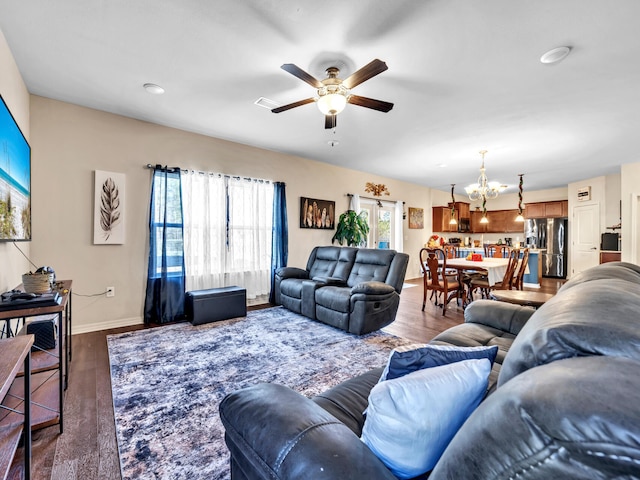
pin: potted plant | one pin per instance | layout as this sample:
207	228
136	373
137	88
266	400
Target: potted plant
351	228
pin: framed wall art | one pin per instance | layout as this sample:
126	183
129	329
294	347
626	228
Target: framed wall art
108	215
316	213
416	217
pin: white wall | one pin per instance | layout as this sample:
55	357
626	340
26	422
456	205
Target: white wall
630	194
70	142
15	94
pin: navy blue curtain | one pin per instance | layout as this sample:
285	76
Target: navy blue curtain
279	234
166	277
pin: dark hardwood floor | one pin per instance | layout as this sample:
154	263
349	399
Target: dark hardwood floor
87	449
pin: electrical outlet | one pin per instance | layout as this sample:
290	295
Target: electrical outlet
111	291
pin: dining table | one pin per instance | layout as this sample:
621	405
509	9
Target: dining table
493	268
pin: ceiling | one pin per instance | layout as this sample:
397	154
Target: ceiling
464	76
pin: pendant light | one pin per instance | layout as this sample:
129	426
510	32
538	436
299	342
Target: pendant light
453	220
520	217
484	218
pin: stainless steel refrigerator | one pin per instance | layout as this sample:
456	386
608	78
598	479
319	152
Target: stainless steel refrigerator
550	235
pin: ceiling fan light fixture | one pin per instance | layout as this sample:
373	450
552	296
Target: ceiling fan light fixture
332	103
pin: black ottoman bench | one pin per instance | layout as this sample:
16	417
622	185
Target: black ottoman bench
204	306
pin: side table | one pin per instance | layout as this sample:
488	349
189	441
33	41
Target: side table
522	297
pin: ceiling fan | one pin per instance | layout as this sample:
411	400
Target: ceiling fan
334	93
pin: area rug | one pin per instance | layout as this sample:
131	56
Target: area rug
167	382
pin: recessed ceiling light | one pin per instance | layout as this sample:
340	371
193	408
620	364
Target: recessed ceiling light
555	55
153	88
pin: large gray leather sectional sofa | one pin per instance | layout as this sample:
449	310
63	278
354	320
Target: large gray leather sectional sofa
355	289
562	401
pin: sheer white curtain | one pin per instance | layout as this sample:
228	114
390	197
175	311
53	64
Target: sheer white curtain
399	234
248	259
354	203
204	212
227	232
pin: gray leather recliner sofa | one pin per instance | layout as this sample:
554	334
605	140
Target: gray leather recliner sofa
355	289
562	398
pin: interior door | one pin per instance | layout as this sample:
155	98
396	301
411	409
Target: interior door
585	234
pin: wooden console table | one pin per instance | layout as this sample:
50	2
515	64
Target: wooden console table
14	352
49	368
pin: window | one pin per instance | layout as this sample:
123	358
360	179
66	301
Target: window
167	230
227	232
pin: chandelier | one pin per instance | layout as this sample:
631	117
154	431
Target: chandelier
483	189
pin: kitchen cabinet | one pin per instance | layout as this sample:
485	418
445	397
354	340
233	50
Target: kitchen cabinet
441	216
555	209
500	221
609	256
476	226
440	220
462	209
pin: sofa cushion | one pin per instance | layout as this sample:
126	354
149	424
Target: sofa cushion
334	298
408	359
348	400
331	262
370	264
580	322
576	418
292	287
411	420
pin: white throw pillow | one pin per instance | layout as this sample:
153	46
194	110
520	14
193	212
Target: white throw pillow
411	420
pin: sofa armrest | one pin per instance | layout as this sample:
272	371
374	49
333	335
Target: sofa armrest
372	288
330	281
292	272
275	433
503	316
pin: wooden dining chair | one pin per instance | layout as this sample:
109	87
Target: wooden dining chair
496	251
507	280
436	280
518	280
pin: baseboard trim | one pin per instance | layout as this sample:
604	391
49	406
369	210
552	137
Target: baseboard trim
94	327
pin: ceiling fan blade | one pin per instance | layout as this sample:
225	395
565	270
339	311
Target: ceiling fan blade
330	121
289	106
301	74
370	70
370	103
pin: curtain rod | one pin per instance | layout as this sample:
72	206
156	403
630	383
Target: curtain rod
237	177
372	198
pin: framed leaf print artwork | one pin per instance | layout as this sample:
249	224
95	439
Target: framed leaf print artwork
316	213
108	214
416	217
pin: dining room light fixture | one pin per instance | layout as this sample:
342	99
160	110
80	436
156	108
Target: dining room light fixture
483	188
520	217
453	220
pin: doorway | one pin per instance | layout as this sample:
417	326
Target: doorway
381	217
586	235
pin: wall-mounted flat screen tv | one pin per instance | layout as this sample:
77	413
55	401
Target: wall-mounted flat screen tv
15	179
